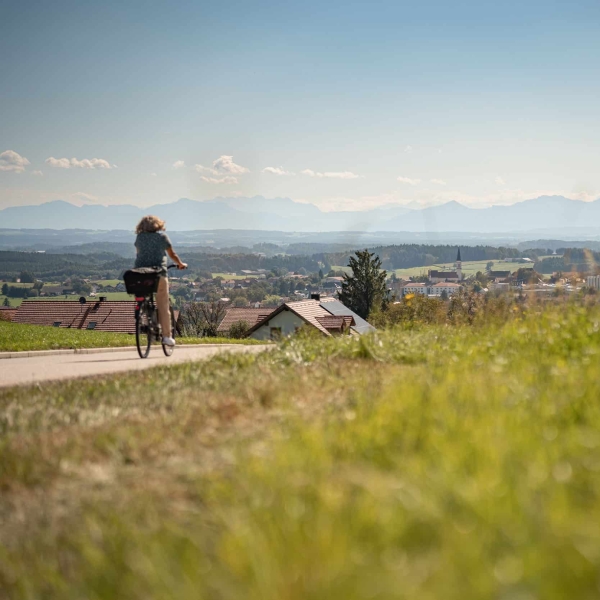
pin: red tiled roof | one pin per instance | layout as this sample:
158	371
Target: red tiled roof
115	316
251	315
7	313
309	310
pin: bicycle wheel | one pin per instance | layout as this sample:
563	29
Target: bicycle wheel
143	332
168	350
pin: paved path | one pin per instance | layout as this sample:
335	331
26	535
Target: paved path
31	369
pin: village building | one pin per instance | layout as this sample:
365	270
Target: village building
328	316
437	289
498	275
101	315
415	288
455	276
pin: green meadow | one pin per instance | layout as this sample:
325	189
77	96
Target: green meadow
436	462
17	337
468	268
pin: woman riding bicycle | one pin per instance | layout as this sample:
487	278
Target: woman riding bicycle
152	246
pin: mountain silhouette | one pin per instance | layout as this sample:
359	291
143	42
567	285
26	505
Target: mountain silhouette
546	213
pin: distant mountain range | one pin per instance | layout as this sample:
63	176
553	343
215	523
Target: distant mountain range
545	215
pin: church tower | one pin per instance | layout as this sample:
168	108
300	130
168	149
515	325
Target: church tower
458	266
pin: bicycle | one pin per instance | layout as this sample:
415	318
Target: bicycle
143	284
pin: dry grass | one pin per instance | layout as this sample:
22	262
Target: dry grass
433	463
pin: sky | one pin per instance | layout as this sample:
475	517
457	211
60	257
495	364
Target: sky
347	105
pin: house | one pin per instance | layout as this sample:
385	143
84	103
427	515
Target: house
329	316
234	315
443	276
439	288
498	275
101	315
415	288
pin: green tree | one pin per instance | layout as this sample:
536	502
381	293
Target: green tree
5	289
26	277
365	289
6	302
240	301
321	274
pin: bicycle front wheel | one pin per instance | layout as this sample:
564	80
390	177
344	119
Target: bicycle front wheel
143	332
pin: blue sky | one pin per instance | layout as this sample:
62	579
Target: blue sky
348	105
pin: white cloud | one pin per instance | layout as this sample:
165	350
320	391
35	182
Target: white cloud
59	163
225	180
499	181
330	174
409	180
408	149
438	181
223	165
277	171
37	173
178	164
12	161
85	163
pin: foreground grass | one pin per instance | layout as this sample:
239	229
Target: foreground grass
435	463
16	337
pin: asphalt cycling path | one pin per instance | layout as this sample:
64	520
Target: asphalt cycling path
42	367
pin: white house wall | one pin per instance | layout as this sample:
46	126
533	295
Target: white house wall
286	319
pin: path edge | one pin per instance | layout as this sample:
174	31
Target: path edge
32	353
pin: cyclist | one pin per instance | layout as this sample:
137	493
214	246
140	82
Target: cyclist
152	246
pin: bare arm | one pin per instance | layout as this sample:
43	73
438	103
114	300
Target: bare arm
176	259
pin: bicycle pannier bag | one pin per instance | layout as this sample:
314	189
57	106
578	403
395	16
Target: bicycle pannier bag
141	282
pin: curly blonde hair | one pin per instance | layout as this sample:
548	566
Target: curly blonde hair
150	224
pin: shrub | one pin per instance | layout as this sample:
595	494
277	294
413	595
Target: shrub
239	330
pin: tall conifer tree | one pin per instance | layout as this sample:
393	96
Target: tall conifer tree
365	289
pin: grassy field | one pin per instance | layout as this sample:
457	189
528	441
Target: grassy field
109	282
468	268
14	302
454	463
233	276
16	337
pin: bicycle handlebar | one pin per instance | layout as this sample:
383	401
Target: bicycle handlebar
171	266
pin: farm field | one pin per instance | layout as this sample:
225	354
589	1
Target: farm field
233	276
16	337
14	302
468	267
437	462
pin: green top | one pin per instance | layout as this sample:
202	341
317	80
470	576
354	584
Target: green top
151	250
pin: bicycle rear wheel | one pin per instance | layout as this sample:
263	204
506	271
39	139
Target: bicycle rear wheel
168	350
143	332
